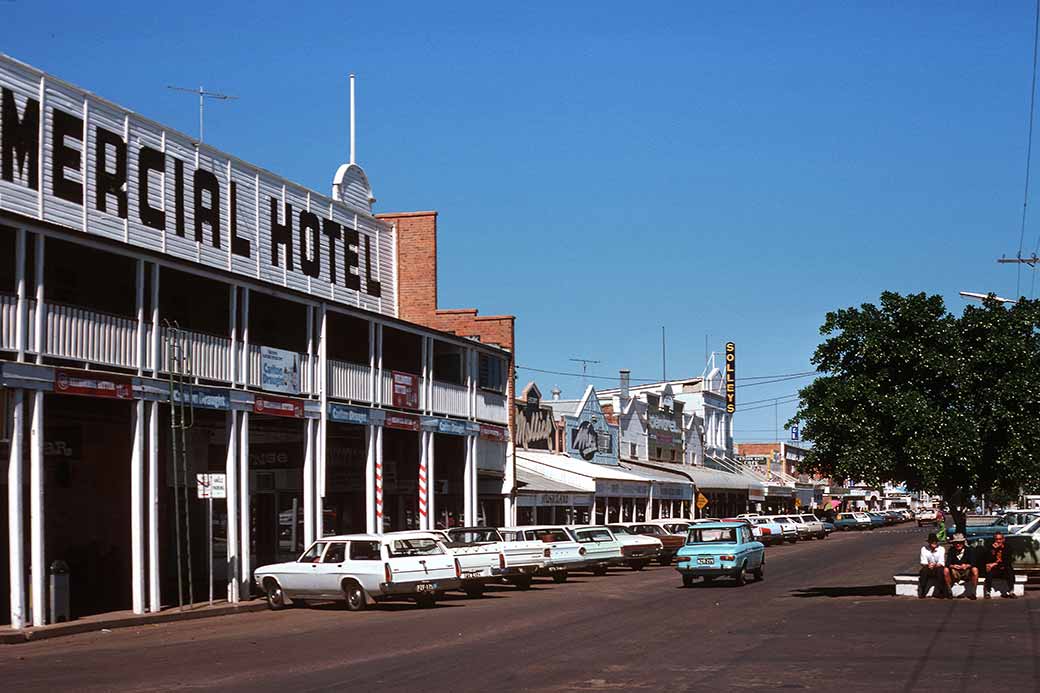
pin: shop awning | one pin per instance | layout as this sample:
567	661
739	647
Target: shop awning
703	477
666	485
602	479
532	482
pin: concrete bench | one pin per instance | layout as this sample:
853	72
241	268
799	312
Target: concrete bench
906	586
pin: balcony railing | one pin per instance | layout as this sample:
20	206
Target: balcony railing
450	399
349	381
491	406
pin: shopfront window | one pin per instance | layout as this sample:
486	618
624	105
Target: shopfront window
492	373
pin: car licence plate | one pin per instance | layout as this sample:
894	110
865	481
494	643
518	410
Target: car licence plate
705	561
555	568
426	587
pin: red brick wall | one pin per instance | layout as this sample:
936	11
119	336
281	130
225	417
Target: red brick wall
416	265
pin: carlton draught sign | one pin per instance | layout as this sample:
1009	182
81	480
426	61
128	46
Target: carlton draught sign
731	377
71	159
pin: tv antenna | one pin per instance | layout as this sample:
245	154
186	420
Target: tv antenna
203	95
584	367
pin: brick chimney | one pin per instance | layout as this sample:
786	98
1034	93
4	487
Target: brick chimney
416	264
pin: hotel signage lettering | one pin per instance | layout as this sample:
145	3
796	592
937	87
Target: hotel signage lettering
74	160
731	377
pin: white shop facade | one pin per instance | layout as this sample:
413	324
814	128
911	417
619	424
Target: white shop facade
168	310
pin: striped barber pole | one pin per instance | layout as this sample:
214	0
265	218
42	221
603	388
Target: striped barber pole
422	492
379	496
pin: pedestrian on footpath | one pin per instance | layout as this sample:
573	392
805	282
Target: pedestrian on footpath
933	568
998	567
960	567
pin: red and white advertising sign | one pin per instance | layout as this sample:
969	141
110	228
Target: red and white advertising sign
278	406
405	390
405	422
73	382
495	433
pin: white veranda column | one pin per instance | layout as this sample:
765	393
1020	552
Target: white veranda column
154	597
370	479
245	535
137	509
308	484
467	487
431	471
16	553
36	510
231	469
424	480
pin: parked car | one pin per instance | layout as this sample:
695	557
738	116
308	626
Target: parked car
828	526
775	530
637	550
679	527
602	549
854	520
759	532
721	549
878	519
1024	545
670	543
816	527
564	555
927	516
523	558
479	563
788	528
362	569
1007	523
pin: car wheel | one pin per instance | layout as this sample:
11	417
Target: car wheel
473	591
741	576
599	571
560	577
275	596
426	601
665	560
687	581
637	565
523	583
760	572
709	578
355	596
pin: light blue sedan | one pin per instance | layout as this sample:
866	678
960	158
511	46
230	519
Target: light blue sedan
721	549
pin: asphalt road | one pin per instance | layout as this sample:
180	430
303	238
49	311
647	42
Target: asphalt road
821	620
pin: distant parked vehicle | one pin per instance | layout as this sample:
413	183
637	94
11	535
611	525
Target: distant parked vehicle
670	543
854	520
788	527
775	530
721	549
878	519
816	527
637	550
561	553
602	549
927	516
1008	523
480	563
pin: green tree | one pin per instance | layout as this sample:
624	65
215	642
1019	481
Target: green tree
909	393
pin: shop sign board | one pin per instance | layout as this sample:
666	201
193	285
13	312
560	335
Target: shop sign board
76	161
341	413
278	406
403	422
559	500
497	434
756	493
534	425
279	370
673	491
204	397
731	377
90	384
450	427
611	488
588	435
405	390
211	485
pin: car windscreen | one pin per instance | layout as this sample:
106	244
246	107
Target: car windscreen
413	547
546	535
1031	528
467	536
808	518
585	536
781	520
722	535
618	529
648	529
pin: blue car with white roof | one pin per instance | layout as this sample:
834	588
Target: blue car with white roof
721	549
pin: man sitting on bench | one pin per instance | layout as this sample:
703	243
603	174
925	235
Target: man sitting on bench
933	568
960	567
998	567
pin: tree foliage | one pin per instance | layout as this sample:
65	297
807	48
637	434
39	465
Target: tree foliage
910	393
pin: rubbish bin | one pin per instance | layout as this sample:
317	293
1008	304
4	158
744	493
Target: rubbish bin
59	592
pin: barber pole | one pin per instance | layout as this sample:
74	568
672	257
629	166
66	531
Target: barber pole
422	493
379	496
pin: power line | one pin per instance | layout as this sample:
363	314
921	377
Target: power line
1029	152
613	378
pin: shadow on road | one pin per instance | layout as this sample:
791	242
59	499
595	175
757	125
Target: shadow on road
853	591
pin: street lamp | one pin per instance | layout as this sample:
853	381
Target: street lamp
975	296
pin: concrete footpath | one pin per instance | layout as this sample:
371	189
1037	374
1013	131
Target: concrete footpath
127	619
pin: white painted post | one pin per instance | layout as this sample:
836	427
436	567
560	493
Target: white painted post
424	480
36	510
156	333
431	500
245	535
467	487
372	362
650	503
323	428
41	316
140	336
370	479
308	483
306	377
244	370
137	509
378	399
21	308
233	357
231	469
154	597
16	553
425	405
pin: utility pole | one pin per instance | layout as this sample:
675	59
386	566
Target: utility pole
203	95
584	368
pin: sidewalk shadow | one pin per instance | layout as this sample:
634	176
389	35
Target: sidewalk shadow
851	591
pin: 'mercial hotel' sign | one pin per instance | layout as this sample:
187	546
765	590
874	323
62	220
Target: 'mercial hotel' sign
71	159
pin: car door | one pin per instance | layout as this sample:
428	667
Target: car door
329	571
297	578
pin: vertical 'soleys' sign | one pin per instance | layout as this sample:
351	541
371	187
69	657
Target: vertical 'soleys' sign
76	161
731	377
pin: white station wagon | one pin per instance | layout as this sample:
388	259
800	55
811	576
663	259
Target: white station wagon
362	569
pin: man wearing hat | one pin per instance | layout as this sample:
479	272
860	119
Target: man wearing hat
933	568
960	566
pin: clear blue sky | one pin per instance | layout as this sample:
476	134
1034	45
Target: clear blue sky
602	169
